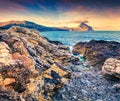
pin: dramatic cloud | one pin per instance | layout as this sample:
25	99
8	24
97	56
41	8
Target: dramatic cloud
63	12
11	6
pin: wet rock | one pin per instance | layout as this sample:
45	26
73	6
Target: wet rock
54	42
96	52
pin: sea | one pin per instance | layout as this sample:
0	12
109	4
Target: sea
71	38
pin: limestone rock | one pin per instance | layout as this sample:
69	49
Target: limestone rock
111	67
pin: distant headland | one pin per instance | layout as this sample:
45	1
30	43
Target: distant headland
31	25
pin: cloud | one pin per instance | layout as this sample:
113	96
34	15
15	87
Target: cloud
77	21
42	7
81	8
10	6
65	22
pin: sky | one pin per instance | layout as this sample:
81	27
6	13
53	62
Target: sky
100	14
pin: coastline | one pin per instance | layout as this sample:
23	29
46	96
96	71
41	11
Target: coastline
40	69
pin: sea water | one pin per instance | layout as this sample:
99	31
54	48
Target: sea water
71	38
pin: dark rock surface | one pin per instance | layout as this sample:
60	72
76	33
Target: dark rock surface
96	52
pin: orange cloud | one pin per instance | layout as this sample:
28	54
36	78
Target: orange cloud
81	8
77	21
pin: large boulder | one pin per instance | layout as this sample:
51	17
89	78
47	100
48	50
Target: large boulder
96	52
111	68
32	67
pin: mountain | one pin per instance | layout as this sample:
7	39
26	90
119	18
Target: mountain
82	27
30	25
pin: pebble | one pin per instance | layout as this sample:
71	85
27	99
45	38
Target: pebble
84	92
90	86
85	99
98	100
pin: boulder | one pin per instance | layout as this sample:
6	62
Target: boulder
111	68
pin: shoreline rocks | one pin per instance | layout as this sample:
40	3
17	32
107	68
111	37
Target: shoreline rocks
111	67
89	86
96	52
31	66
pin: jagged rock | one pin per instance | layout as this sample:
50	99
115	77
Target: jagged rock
111	67
116	87
31	67
9	81
96	52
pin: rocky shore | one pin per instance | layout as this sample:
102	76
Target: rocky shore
34	68
96	52
102	82
89	86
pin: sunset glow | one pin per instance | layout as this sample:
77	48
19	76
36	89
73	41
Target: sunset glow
100	14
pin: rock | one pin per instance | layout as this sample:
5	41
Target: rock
96	52
89	86
111	67
5	56
84	92
98	100
116	87
31	66
85	99
8	81
54	42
